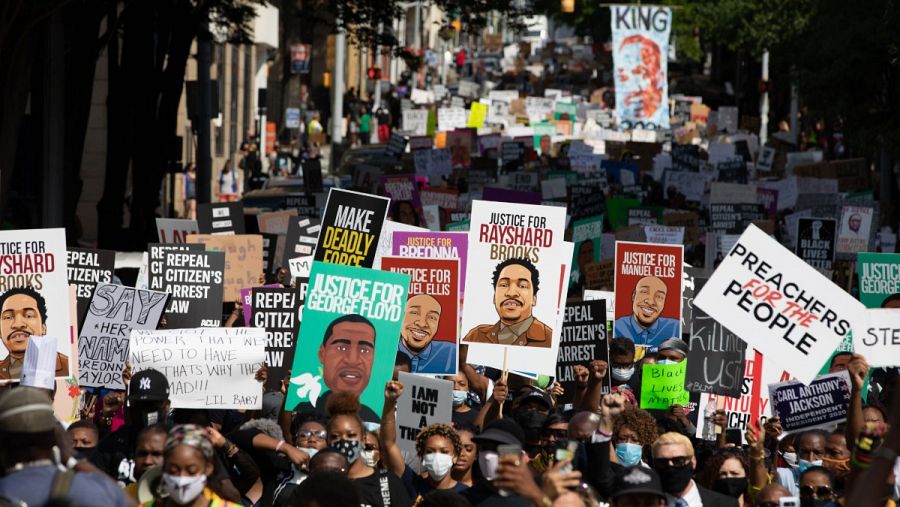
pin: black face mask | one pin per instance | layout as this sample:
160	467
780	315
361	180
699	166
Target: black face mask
814	502
675	479
84	453
732	486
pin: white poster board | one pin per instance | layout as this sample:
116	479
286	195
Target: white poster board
424	401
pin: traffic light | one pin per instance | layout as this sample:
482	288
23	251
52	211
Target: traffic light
374	73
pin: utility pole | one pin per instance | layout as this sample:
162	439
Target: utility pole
204	157
337	109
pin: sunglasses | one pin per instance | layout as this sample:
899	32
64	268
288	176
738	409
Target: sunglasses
818	492
318	435
558	433
678	461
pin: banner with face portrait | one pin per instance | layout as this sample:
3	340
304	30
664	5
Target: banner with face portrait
352	320
640	37
648	292
34	297
516	281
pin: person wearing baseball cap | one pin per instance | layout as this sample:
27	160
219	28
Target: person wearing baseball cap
29	454
672	351
637	486
148	404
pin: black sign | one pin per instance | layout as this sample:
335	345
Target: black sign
587	204
715	362
732	170
734	218
815	241
396	146
686	157
302	235
277	311
156	252
312	175
351	228
86	268
270	243
583	340
220	218
643	216
195	281
512	155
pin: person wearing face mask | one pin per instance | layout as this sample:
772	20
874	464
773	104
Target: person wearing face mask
726	472
674	461
84	437
462	412
837	458
371	450
503	480
621	360
438	446
148	404
346	433
188	462
633	430
810	447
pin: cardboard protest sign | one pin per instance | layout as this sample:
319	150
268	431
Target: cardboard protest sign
243	260
415	121
220	218
431	318
386	240
275	222
586	235
302	235
876	335
648	292
195	281
855	231
103	341
778	304
396	145
734	218
518	253
352	320
350	228
424	401
662	385
434	245
175	230
211	368
33	275
583	340
716	357
406	205
879	279
276	309
815	242
822	403
86	268
640	40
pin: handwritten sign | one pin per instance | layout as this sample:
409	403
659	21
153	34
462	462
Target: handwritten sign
662	385
243	260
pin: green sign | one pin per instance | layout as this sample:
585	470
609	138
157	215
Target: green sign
879	277
662	385
618	207
586	234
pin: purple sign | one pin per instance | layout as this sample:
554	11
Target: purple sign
511	196
768	197
434	245
247	298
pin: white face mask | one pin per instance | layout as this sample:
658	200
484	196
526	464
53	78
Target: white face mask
487	462
622	374
184	489
437	465
368	458
665	361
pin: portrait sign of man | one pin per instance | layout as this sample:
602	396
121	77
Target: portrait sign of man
23	314
420	325
516	282
645	326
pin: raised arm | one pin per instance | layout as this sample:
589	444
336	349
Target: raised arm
390	452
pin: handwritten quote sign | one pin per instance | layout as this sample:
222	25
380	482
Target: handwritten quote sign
662	385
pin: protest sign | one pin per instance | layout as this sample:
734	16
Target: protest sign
396	145
276	309
415	121
86	268
586	235
515	253
815	242
406	205
175	230
351	227
664	234
856	229
207	368
269	247
386	239
220	218
33	275
434	245
879	279
103	341
662	385
640	43
247	299
195	281
477	115
430	327
716	357
243	260
648	292
642	216
302	235
734	218
583	340
744	411
449	118
876	335
822	403
778	304
39	364
364	307
424	401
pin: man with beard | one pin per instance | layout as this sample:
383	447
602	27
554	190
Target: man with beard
645	326
420	324
516	285
23	313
